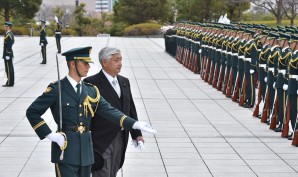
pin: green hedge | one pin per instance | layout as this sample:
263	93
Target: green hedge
17	31
142	29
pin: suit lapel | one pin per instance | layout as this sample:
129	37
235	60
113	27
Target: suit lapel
67	88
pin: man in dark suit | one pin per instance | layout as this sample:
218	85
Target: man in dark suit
110	140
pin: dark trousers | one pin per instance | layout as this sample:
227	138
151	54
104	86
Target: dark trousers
58	37
250	88
112	158
66	170
44	54
9	72
281	98
293	110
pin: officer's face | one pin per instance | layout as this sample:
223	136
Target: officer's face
82	67
113	65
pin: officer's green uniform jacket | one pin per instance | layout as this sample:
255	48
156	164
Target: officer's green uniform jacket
75	111
58	31
42	35
8	42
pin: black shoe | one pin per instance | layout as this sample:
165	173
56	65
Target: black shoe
278	129
259	116
248	106
59	52
268	122
7	85
290	137
43	63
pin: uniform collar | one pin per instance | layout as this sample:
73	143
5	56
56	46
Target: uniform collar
73	82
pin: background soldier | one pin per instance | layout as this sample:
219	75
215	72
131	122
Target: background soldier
72	150
43	41
58	35
8	54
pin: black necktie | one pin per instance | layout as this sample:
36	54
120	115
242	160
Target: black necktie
78	90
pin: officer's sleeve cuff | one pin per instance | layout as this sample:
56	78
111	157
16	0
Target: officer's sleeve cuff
42	129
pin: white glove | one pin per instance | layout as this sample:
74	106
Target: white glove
7	57
265	79
274	84
143	126
41	44
297	92
200	51
251	71
57	138
139	145
285	86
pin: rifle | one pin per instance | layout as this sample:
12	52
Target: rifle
285	130
211	73
230	87
243	95
236	88
209	65
226	80
215	78
257	108
273	120
266	109
220	80
295	134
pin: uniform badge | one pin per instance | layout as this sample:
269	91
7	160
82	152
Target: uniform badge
48	90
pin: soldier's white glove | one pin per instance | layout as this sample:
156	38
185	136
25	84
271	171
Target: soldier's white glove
143	126
41	44
297	92
251	71
138	144
274	84
285	86
265	79
7	58
200	51
57	138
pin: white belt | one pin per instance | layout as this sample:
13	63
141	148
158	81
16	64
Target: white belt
271	69
230	53
234	54
57	32
247	59
218	50
174	35
293	77
259	50
282	71
241	57
262	65
203	45
224	51
198	42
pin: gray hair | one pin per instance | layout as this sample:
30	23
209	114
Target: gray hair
107	52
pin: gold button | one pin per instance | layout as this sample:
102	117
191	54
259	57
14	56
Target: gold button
80	105
80	114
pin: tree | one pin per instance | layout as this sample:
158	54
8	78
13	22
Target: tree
139	11
22	8
81	20
273	6
290	8
236	7
59	12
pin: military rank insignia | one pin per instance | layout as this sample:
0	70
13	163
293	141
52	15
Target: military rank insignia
48	90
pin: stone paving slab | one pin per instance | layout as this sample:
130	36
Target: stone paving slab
201	133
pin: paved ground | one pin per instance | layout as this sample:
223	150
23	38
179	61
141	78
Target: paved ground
200	132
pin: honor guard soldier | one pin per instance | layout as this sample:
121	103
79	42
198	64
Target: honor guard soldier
43	41
8	54
58	35
291	88
73	103
281	79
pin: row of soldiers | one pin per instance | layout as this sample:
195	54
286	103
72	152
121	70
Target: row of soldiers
9	41
251	64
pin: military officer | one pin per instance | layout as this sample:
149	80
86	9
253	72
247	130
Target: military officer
8	54
43	41
72	150
58	35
